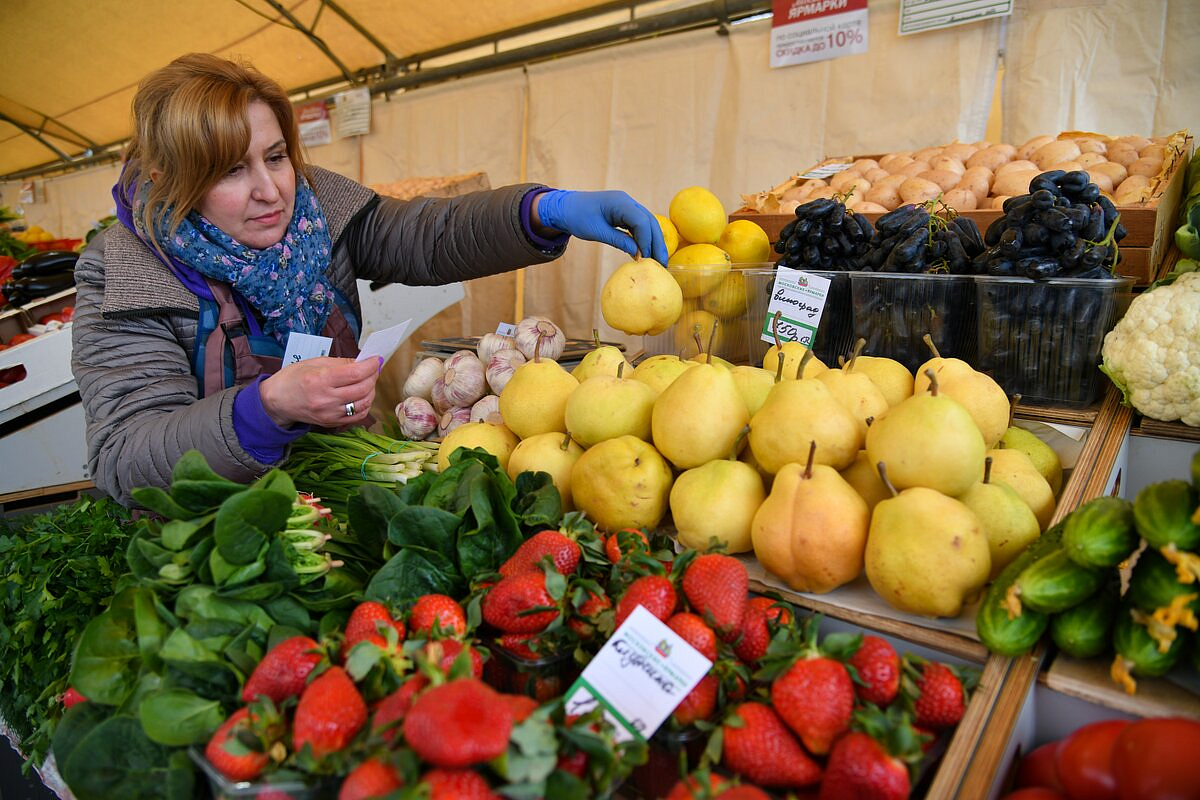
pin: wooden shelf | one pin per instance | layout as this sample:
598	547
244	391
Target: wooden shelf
1166	430
1088	679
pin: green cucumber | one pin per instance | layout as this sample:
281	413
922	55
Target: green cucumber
1100	533
1155	584
1086	630
1014	634
1163	515
1139	653
1054	583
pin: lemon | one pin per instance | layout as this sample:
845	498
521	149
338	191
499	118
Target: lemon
746	242
685	333
728	300
699	268
641	298
670	234
698	215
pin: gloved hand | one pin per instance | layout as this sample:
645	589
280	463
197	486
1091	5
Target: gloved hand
599	216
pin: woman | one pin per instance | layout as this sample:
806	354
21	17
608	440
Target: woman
230	243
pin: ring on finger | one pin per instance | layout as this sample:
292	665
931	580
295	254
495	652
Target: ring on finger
350	409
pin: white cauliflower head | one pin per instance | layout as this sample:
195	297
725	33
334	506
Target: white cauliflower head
1153	353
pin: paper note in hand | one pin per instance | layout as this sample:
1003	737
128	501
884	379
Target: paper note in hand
305	345
383	343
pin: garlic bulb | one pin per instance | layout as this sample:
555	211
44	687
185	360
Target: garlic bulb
532	330
501	367
489	343
420	381
452	419
485	407
463	382
417	418
459	356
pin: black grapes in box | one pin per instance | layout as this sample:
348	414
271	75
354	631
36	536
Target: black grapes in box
893	312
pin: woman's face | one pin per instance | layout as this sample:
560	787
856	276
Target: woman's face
253	201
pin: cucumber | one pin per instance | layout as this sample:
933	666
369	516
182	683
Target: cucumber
1138	653
1155	584
1086	630
1009	634
1163	515
1054	583
1100	533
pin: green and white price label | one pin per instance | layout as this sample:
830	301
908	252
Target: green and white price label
799	298
640	675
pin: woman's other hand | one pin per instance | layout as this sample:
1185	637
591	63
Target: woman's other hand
326	392
613	218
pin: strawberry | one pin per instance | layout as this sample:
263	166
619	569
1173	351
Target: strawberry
521	706
575	764
458	724
390	711
284	670
457	784
939	701
620	544
695	786
444	652
435	616
815	696
236	750
873	759
716	586
700	703
520	604
878	668
744	791
563	552
758	746
589	616
72	696
696	632
754	630
329	714
368	622
371	778
519	644
653	592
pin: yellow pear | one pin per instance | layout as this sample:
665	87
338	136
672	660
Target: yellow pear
728	300
699	268
698	332
608	406
622	483
811	530
670	234
890	376
798	361
1013	468
980	395
716	500
797	413
641	298
860	396
926	553
864	477
604	359
698	417
753	384
709	358
946	369
535	399
697	214
496	439
1041	454
659	372
928	440
746	242
1008	522
553	453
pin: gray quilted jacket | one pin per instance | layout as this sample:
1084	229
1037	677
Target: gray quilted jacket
135	323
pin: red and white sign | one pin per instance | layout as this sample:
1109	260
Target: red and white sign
814	30
313	120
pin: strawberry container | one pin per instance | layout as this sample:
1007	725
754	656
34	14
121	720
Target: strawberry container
542	678
669	752
280	785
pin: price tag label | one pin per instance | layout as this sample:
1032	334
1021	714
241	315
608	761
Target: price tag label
815	30
799	297
305	345
640	675
506	329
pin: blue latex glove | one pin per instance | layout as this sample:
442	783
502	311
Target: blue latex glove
600	216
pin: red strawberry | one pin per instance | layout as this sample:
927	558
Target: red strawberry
758	746
696	632
700	703
520	644
619	544
521	706
695	786
588	616
444	652
815	696
229	751
72	696
563	552
390	711
716	586
743	792
520	604
575	764
371	778
754	631
367	622
457	784
653	592
872	760
940	702
434	616
458	724
878	667
329	714
284	670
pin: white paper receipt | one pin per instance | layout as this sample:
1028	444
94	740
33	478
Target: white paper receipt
640	675
305	345
383	343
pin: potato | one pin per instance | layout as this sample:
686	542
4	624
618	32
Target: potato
885	195
1014	182
948	163
876	174
798	193
959	151
1055	152
1091	145
1136	142
1153	151
997	202
944	178
919	190
1122	154
867	207
1026	150
960	199
1133	189
856	188
788	206
1100	179
976	183
927	154
1016	166
1065	166
894	161
991	159
1146	166
839	180
822	192
1091	159
1115	172
914	168
862	165
891	180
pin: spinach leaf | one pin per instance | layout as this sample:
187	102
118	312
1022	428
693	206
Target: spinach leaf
158	501
107	658
424	527
538	504
116	759
177	717
411	573
245	520
490	533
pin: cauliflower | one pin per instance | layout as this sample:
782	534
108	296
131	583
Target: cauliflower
1153	353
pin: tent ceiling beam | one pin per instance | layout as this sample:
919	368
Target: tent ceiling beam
388	56
312	36
37	135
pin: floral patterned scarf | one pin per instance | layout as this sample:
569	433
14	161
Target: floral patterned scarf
285	282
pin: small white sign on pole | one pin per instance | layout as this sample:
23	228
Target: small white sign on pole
815	30
917	16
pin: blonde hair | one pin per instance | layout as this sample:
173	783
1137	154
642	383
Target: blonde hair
190	127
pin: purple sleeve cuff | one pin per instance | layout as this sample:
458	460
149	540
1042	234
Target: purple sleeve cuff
545	245
256	431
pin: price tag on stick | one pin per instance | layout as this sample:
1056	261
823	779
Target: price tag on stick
799	298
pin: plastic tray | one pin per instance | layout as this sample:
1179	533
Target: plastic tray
291	785
893	311
668	752
541	678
